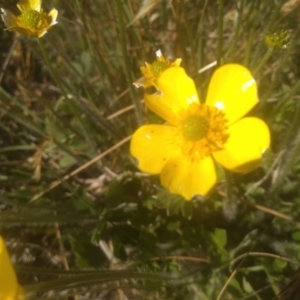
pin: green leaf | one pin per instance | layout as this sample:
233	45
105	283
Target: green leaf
247	286
174	204
278	265
187	209
99	231
220	237
234	283
87	255
67	161
296	236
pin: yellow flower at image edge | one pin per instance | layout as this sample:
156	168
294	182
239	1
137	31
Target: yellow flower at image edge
32	21
197	135
9	287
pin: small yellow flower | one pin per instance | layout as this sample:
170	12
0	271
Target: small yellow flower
152	71
197	135
9	287
32	21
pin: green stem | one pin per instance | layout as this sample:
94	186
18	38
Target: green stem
122	34
236	32
271	20
263	61
282	63
63	91
83	280
220	31
290	136
289	161
49	65
249	46
251	19
229	204
89	110
187	26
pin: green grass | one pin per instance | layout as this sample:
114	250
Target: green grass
80	219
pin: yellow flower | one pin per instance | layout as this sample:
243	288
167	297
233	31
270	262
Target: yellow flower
197	135
152	71
9	287
32	21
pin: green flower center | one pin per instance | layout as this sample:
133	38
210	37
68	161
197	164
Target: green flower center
158	67
30	19
279	39
194	127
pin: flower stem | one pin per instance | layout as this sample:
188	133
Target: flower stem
290	157
229	204
187	26
283	62
220	30
263	61
249	47
49	65
292	132
122	34
271	20
238	28
62	88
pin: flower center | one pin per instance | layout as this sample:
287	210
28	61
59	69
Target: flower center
194	127
159	66
30	19
203	130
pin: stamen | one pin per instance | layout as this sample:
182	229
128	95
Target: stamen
30	19
159	66
203	129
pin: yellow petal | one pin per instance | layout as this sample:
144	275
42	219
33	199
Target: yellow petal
188	178
8	18
41	33
233	90
176	92
248	139
35	4
152	71
25	5
153	146
53	15
8	281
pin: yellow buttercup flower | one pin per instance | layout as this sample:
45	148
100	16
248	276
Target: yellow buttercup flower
152	71
32	21
184	150
9	287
